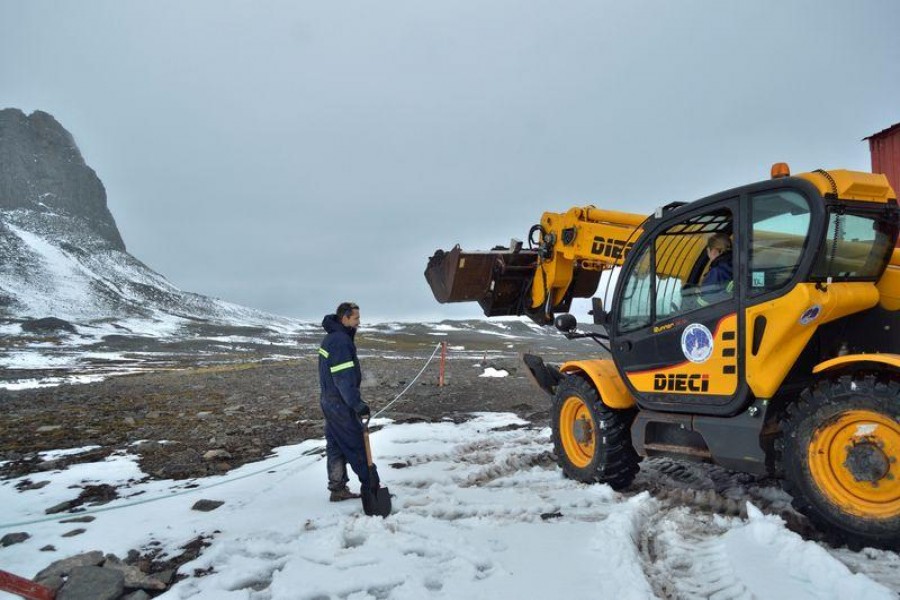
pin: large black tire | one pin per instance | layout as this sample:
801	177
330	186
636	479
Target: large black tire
840	455
592	441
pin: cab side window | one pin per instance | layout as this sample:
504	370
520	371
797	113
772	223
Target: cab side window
694	264
688	265
856	247
780	229
634	312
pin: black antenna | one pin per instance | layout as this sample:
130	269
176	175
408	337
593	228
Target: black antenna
830	179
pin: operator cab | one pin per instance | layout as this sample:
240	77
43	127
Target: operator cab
689	325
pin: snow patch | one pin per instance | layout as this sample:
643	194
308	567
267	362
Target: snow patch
774	562
492	372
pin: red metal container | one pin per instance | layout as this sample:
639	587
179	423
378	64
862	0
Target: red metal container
885	149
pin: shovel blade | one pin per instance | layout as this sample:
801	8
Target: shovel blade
376	502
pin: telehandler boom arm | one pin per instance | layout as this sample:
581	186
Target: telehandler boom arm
565	256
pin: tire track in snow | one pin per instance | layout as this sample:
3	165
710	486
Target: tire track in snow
717	490
684	557
696	499
501	456
506	460
879	565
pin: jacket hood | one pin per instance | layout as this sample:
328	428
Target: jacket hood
331	323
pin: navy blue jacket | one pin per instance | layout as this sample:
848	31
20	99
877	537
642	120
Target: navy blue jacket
715	285
339	372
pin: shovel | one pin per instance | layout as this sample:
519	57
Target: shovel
376	500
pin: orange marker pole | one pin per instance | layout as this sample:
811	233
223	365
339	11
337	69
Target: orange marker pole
443	360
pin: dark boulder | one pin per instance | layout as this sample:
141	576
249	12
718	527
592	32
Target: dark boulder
13	538
47	325
93	583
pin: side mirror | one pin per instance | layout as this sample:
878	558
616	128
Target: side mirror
566	323
601	317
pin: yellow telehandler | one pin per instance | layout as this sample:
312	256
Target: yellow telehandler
756	328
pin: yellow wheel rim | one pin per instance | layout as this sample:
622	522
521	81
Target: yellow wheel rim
577	431
853	460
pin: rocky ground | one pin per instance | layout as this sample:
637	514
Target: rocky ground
215	418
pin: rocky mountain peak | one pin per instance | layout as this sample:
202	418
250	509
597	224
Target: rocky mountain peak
42	170
64	270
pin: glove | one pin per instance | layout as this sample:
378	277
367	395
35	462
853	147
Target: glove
363	410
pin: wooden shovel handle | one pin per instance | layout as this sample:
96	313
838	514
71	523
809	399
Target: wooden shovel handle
365	425
24	587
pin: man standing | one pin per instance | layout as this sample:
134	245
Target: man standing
342	405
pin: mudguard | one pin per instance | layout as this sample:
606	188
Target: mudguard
605	377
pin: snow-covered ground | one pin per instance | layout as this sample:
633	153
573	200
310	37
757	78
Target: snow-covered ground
480	511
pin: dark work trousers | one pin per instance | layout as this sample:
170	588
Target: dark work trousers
343	444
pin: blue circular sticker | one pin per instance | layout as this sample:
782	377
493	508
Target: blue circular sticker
810	314
696	343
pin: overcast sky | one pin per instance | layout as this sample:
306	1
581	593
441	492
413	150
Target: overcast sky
288	155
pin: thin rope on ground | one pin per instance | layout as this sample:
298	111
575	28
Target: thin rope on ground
422	370
211	485
153	499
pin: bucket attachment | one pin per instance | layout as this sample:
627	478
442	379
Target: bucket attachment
499	280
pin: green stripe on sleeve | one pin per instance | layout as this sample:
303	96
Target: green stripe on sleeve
323	352
343	366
